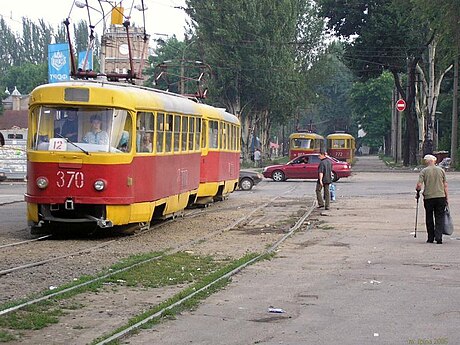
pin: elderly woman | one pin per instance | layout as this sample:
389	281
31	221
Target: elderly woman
96	135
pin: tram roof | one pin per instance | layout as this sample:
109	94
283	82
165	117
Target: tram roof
306	135
128	96
340	136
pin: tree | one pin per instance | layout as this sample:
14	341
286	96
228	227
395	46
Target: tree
35	41
332	85
255	50
390	37
25	77
371	104
166	64
8	40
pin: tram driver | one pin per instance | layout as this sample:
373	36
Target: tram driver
96	135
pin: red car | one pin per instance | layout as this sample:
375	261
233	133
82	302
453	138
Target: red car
306	167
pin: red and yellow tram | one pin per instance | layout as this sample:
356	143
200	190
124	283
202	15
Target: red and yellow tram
302	143
116	154
341	146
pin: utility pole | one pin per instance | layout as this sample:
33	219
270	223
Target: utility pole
454	139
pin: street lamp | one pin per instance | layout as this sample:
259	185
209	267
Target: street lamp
80	4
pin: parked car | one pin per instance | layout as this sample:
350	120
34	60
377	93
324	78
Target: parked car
2	175
306	167
249	179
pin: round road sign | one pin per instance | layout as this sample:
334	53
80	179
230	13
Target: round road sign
401	105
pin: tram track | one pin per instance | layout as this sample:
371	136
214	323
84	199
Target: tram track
131	328
189	214
178	247
15	244
239	232
11	202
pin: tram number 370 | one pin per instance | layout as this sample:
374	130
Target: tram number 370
67	179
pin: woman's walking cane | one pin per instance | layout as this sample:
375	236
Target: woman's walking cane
416	212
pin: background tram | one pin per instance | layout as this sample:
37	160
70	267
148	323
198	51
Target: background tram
341	146
107	154
301	143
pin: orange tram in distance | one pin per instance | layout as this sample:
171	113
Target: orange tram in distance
105	155
341	146
302	143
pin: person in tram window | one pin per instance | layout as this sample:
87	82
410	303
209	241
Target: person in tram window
70	127
96	135
146	144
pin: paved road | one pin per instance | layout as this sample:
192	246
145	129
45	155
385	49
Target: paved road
357	277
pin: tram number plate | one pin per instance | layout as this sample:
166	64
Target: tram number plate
339	154
68	179
57	144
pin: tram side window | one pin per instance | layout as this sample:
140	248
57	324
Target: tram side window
223	136
184	132
191	134
229	137
197	134
338	144
168	133
204	131
213	134
176	133
145	128
160	132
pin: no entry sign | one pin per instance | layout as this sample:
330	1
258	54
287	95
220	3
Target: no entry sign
401	105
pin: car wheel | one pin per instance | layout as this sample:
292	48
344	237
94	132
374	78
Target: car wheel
335	178
246	183
278	176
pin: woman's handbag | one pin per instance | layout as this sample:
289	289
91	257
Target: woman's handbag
448	224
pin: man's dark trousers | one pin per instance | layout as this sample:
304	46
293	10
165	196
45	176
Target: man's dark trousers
437	207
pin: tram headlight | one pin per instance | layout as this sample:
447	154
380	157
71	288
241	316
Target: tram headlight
99	185
42	182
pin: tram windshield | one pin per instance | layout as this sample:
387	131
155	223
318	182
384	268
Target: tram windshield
301	143
81	129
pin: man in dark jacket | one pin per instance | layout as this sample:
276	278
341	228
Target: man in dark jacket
324	180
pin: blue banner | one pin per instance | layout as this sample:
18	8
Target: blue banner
89	60
58	62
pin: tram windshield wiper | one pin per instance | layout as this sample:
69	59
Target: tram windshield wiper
71	142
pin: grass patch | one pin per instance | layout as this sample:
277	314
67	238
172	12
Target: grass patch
189	304
326	227
6	336
173	269
132	260
33	317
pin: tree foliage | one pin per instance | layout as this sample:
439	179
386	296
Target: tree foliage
371	104
257	50
390	36
331	83
25	77
24	58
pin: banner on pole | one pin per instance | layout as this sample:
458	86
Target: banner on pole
85	63
58	62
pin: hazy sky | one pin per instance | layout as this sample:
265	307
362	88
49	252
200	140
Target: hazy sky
161	16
